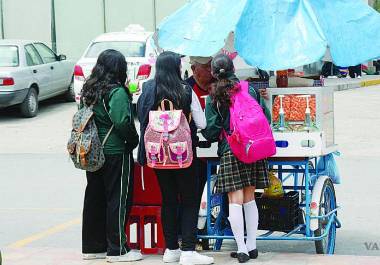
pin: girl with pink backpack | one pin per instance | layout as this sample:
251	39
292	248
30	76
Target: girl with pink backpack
238	123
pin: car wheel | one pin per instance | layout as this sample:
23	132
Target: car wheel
29	108
70	93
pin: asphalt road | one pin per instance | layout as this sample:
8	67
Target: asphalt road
41	193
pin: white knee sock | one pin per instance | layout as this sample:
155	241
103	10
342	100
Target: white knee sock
251	223
237	224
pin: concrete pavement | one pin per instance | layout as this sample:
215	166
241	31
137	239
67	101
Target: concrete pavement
41	193
38	256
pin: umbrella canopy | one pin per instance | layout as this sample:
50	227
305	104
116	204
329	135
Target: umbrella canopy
275	34
200	27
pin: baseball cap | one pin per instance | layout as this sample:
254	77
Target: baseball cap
200	59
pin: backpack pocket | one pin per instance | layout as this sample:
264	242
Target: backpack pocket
249	150
178	153
155	152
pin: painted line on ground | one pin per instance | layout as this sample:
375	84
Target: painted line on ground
46	233
39	209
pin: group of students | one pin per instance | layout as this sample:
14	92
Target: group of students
109	191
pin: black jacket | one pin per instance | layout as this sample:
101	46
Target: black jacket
147	102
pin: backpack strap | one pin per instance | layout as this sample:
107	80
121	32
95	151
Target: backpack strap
189	91
113	125
162	105
218	109
223	133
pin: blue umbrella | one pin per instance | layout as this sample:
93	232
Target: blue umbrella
276	34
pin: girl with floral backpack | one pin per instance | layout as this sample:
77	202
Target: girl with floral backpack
166	103
108	195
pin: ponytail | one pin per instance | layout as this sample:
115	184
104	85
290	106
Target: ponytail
223	69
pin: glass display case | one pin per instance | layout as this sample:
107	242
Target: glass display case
302	119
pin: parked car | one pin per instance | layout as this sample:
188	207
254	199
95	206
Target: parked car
31	72
134	43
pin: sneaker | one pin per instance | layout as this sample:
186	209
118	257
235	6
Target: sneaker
90	256
128	257
171	255
194	258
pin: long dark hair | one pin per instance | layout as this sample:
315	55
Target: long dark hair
168	79
222	69
109	72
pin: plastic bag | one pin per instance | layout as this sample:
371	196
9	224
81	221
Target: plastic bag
327	166
202	215
275	187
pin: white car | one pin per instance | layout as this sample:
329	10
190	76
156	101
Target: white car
30	72
134	43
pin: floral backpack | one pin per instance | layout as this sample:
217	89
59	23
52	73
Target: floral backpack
84	146
167	139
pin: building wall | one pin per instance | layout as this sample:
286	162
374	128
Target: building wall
77	22
166	7
1	19
75	26
121	13
27	19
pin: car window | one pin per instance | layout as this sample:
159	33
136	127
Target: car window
32	56
9	56
48	56
127	48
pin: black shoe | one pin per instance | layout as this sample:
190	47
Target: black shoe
253	254
242	257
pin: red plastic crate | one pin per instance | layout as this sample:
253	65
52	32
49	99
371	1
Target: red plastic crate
146	190
141	216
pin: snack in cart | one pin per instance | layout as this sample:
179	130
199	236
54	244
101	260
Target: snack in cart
294	107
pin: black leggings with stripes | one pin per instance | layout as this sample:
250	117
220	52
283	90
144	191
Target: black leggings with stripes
107	203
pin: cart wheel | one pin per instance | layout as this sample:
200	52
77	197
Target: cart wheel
327	204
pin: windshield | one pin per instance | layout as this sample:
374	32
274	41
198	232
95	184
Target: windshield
9	56
127	48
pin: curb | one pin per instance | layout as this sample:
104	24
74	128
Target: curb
354	85
370	83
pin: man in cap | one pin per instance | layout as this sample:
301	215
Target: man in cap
201	80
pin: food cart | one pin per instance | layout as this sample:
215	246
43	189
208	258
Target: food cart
276	35
309	209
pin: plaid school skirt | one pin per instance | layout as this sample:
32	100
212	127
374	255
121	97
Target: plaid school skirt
234	175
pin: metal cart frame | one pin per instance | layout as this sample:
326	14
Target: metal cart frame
318	203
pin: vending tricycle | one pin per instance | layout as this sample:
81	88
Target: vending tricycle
303	128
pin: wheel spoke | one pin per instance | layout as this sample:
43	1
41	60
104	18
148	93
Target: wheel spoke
327	203
32	103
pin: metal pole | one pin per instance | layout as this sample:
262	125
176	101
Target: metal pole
53	29
104	17
2	19
154	15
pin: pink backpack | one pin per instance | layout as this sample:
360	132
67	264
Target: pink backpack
251	137
167	139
